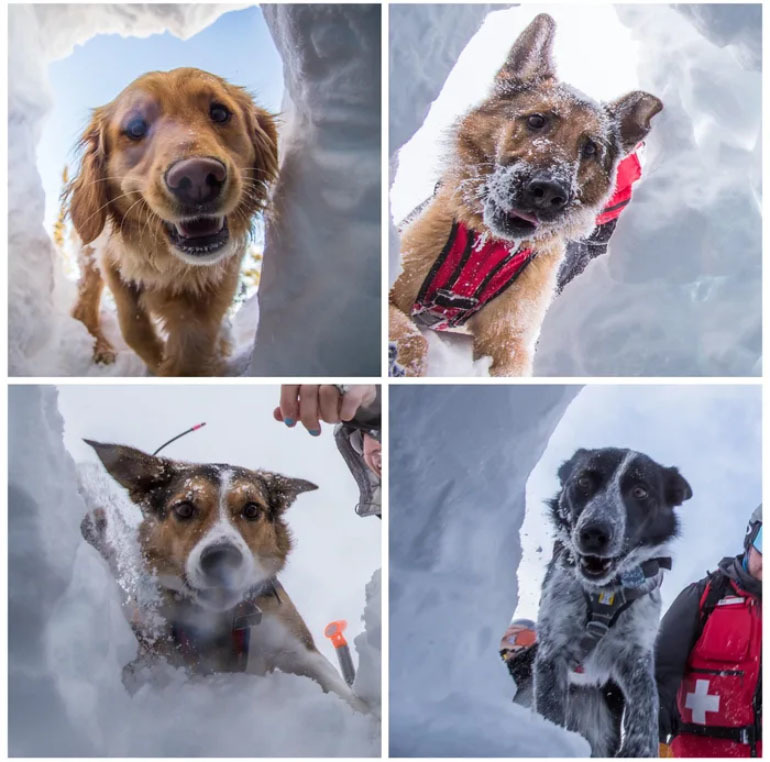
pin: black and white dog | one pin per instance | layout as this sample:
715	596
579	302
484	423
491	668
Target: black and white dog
600	603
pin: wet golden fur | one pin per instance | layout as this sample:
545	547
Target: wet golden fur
120	188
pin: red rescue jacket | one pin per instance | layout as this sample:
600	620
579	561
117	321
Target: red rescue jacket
719	699
473	269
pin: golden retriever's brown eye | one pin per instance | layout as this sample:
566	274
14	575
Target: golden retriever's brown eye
184	511
251	511
536	121
219	113
590	149
136	128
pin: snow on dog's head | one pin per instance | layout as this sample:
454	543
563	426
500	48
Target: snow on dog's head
615	510
537	158
211	532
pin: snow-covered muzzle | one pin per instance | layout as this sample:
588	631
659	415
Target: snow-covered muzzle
526	201
615	511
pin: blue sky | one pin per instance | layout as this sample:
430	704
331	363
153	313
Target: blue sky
237	46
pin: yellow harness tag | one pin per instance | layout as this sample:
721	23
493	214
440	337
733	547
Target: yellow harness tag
607	599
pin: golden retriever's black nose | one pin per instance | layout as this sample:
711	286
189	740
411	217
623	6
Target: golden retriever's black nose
547	194
196	181
219	562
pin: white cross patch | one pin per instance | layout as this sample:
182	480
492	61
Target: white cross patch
701	701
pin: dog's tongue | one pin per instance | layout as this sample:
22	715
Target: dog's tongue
200	227
524	216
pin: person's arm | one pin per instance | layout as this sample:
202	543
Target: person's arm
678	632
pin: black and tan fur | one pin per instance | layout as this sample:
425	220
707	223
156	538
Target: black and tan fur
531	127
213	536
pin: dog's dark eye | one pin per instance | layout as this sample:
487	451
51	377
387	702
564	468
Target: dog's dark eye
536	121
585	482
251	511
639	492
590	149
184	511
218	113
136	129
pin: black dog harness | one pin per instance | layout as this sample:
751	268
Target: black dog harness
247	614
605	607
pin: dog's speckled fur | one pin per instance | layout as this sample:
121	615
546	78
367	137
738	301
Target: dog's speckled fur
605	488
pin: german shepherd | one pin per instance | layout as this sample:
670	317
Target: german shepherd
530	169
212	539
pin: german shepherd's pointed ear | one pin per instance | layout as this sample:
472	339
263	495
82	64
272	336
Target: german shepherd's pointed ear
566	468
530	58
88	192
633	113
676	487
131	468
284	490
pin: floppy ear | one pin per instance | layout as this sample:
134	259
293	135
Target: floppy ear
676	487
566	468
284	490
131	468
530	57
88	197
633	113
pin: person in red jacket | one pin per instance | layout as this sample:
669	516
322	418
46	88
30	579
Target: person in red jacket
709	660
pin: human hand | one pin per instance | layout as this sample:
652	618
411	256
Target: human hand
312	403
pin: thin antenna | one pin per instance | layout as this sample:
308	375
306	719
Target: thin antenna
178	436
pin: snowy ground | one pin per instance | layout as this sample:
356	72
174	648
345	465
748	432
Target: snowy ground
679	293
327	207
68	639
470	468
460	458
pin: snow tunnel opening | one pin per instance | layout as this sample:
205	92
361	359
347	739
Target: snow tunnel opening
663	422
73	91
420	160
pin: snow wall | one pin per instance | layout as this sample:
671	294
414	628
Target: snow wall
321	281
454	550
68	642
680	292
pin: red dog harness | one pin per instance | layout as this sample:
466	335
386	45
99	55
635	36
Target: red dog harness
474	269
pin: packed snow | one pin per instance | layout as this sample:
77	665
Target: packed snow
326	229
460	459
69	640
679	292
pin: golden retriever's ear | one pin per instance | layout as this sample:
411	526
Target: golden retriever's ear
265	139
87	193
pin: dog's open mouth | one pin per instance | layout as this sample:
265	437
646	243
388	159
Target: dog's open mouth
200	235
595	567
524	221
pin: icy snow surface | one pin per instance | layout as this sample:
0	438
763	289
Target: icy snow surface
679	293
319	305
320	289
454	550
68	639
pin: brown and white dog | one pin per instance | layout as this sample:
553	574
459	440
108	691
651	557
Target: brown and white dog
530	169
175	168
212	540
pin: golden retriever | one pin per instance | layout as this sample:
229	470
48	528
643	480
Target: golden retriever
175	168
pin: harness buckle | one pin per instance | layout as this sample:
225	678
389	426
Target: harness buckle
445	297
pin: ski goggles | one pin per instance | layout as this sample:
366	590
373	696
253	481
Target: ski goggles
357	438
756	542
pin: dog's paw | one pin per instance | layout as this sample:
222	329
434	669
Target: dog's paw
93	527
104	354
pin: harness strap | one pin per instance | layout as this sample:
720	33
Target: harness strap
746	734
606	606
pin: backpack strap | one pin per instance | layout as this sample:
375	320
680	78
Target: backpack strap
717	586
